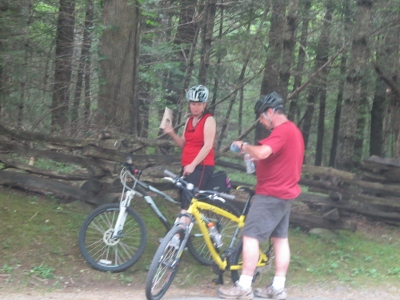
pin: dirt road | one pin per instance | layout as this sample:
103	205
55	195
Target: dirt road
313	291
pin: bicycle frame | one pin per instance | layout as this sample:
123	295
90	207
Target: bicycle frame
224	219
194	213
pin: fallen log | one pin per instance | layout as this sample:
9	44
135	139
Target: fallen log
53	174
349	207
37	184
310	220
99	161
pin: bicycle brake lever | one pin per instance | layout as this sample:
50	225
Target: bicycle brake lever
215	197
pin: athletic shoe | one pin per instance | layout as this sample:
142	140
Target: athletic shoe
236	292
271	293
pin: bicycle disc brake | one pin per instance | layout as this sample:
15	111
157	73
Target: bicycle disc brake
109	240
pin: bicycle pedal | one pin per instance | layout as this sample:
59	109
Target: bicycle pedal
265	269
255	276
218	281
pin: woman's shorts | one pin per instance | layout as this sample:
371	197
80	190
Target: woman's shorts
200	177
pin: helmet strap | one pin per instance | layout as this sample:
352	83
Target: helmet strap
268	118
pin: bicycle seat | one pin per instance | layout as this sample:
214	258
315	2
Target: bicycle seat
248	189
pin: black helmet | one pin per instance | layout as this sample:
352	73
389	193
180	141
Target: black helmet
272	100
197	93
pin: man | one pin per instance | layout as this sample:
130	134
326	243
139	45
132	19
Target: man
279	160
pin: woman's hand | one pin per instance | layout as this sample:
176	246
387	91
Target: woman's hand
187	170
168	129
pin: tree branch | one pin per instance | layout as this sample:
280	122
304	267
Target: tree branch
300	88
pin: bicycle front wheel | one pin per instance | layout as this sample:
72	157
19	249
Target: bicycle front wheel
104	252
165	264
196	244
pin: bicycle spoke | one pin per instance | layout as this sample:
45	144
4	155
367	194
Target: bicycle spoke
197	246
104	252
164	266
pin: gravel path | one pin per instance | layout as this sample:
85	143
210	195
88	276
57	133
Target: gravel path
208	293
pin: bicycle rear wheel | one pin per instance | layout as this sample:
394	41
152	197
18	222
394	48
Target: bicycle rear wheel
196	244
236	259
164	266
112	254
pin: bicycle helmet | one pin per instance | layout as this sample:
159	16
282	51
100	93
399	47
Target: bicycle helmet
272	100
197	93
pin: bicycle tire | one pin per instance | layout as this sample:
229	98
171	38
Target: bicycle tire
161	273
196	244
114	255
236	259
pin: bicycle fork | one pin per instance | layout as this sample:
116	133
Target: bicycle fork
188	229
119	225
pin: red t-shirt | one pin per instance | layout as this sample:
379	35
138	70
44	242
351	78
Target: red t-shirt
194	141
278	175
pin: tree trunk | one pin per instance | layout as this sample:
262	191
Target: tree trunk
87	40
184	39
63	65
118	103
288	47
83	74
220	54
378	110
352	91
323	82
293	110
321	58
207	37
361	123
225	120
270	78
343	62
393	65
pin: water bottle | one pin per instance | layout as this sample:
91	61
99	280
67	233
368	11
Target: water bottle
214	234
235	148
250	167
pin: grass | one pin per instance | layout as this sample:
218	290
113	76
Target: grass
359	259
39	248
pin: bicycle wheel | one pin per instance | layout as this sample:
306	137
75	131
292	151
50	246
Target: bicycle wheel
164	265
236	259
112	254
196	244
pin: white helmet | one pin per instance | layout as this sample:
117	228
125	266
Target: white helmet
198	93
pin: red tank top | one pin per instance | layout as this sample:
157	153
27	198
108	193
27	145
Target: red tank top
194	137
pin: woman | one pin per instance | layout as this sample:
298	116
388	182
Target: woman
197	142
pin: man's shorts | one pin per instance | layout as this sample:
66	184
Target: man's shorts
268	217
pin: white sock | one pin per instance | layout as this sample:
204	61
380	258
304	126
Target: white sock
279	282
245	281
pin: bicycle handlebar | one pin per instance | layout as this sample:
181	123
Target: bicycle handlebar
227	196
178	181
170	174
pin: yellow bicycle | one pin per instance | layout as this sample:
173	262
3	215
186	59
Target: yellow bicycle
224	247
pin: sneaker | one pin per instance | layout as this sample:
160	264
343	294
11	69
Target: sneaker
236	292
271	293
174	243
